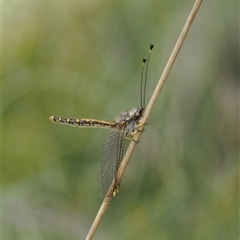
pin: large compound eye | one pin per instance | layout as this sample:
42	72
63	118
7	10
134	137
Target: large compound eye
137	114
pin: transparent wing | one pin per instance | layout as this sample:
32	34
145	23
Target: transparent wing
112	156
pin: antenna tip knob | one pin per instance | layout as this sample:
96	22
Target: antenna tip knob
144	59
151	46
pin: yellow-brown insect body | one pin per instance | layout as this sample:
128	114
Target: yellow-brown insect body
131	120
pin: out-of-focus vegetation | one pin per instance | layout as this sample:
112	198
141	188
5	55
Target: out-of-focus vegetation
83	59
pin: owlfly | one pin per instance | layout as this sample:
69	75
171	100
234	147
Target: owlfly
125	126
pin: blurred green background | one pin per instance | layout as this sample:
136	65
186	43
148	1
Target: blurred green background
83	59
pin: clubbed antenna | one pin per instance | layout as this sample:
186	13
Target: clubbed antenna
145	81
141	85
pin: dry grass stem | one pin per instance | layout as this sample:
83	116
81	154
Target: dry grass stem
152	101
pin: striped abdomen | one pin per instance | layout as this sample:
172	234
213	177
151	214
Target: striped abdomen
83	122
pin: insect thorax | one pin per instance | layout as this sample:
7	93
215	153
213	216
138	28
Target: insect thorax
130	119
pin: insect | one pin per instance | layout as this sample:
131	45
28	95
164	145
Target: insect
125	127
